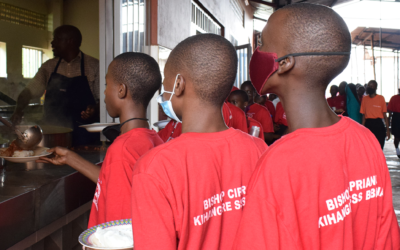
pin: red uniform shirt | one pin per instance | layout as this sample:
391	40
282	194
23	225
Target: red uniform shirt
238	118
271	108
321	188
280	115
171	131
339	102
112	198
189	192
262	115
251	122
394	104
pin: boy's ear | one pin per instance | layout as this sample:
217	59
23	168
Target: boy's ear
122	91
286	65
180	85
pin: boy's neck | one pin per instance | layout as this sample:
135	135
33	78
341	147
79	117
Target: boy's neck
202	118
132	124
307	109
372	95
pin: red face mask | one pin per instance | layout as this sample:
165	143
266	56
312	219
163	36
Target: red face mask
264	64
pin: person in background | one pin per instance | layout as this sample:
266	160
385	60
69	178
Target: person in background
280	120
232	116
189	192
394	117
360	92
373	108
258	112
326	184
353	103
240	99
334	90
131	82
274	99
71	83
263	101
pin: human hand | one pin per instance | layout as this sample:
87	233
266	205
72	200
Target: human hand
60	156
16	117
89	112
387	135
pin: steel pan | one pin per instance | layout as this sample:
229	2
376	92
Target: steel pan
53	136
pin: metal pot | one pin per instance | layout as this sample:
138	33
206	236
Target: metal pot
53	136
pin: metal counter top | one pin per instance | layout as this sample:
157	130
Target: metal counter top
34	195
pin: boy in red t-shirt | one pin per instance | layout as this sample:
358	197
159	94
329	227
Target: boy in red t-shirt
189	192
325	185
132	80
258	112
263	101
240	99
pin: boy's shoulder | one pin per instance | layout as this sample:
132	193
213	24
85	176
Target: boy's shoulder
186	144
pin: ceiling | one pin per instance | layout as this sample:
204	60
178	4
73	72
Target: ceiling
264	8
363	35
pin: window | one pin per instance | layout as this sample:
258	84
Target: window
3	60
32	59
133	25
202	22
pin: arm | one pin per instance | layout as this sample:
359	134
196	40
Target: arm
387	126
64	156
23	100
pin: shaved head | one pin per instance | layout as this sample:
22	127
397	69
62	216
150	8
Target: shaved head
210	63
140	73
313	28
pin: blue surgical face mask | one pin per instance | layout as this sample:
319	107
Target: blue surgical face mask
167	105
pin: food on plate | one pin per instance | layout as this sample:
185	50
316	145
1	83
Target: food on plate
14	151
118	236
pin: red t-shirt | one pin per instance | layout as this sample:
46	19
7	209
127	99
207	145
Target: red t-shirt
112	197
238	118
251	122
271	108
394	104
334	193
262	115
280	115
174	129
339	102
189	192
171	131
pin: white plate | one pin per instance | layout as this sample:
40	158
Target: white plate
38	152
97	127
161	124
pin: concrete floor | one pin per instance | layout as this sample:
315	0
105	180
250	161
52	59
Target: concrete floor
393	163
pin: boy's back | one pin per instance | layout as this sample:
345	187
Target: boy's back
335	193
111	200
198	183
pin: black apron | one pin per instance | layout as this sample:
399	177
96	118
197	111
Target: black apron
65	99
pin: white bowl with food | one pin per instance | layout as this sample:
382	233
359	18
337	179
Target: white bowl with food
113	235
15	154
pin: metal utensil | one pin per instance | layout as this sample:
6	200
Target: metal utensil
29	139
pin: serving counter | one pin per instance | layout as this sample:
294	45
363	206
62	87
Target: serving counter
38	198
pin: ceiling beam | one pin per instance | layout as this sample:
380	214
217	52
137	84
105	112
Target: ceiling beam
262	2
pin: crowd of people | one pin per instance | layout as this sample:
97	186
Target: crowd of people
204	183
365	106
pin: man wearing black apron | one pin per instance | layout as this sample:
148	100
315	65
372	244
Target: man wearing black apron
70	84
